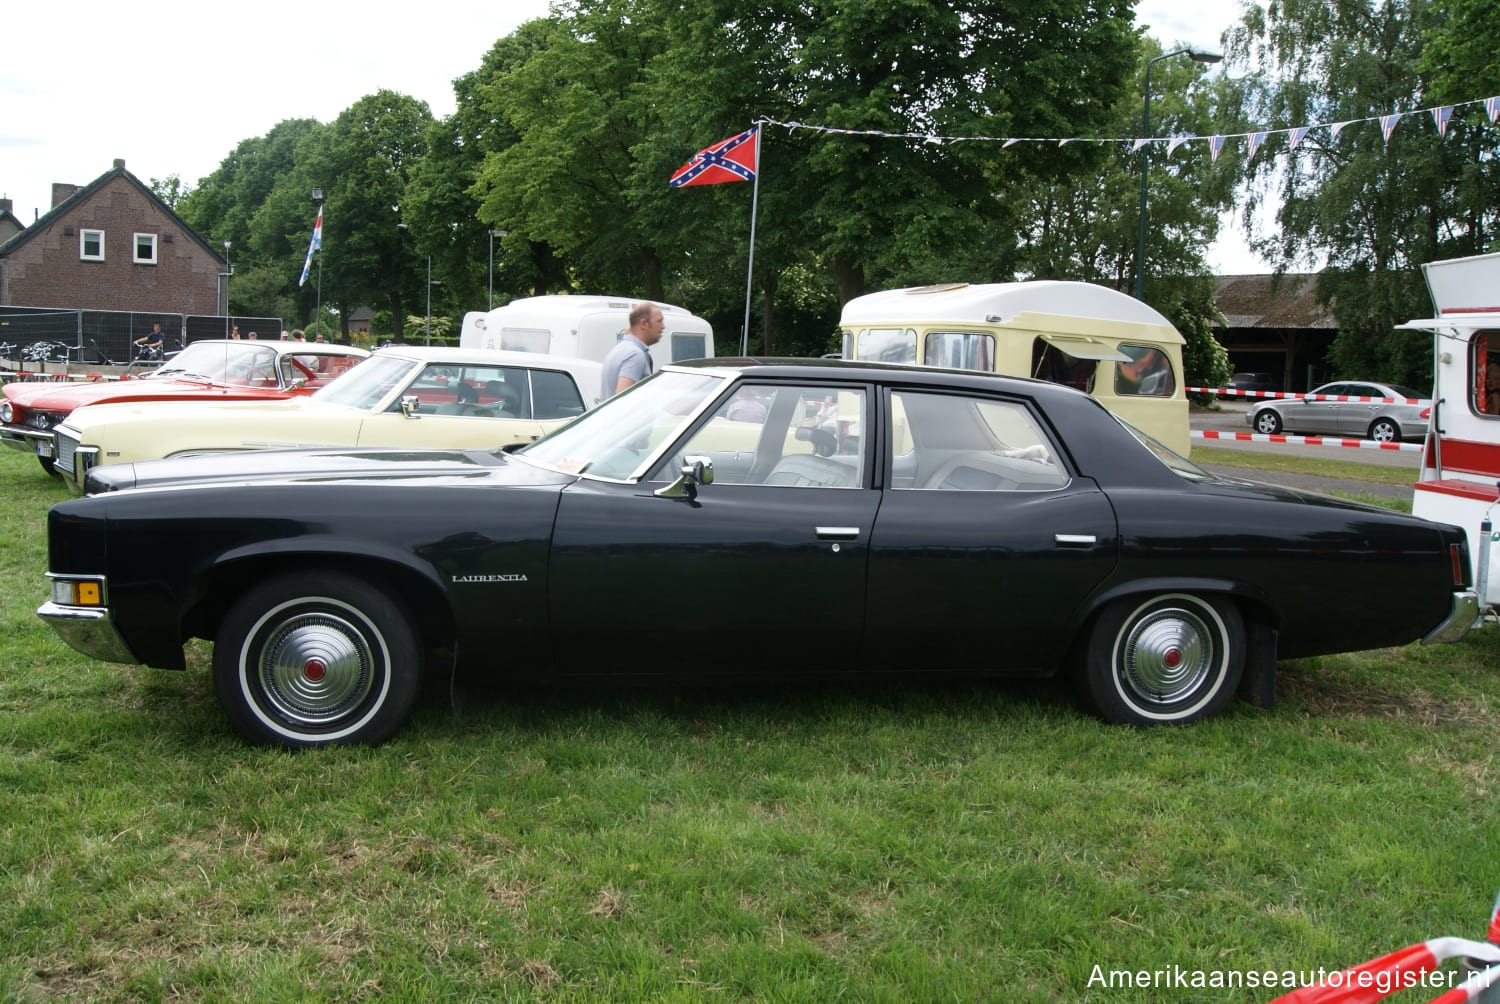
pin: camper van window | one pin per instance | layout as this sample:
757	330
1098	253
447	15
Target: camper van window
687	345
887	345
1147	374
1048	362
1484	373
963	350
526	340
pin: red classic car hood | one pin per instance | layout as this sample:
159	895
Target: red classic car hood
68	396
330	464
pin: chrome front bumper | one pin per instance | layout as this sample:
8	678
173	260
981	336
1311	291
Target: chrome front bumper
1463	616
89	630
27	440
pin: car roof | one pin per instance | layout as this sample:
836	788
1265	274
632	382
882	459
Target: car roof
286	347
585	371
846	369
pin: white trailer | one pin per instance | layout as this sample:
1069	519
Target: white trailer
1091	337
583	326
1460	475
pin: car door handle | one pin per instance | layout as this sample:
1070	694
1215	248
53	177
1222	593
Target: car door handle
1075	539
837	532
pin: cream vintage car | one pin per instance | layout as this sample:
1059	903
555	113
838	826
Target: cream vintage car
401	396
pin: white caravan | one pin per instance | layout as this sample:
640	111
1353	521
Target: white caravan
583	326
1460	475
1091	337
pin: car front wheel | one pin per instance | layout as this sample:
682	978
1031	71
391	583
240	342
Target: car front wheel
1383	430
316	660
1166	659
1268	423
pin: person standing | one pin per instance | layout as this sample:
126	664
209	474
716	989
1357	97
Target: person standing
629	362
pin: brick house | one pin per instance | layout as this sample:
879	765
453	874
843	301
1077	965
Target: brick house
111	245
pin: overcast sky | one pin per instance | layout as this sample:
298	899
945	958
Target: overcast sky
173	86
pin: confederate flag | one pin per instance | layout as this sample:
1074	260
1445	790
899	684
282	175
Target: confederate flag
732	159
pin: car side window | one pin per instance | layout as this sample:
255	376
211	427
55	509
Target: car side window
953	442
787	436
555	395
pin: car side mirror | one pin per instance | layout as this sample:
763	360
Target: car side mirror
695	471
410	405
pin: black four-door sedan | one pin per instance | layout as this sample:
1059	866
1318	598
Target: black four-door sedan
742	518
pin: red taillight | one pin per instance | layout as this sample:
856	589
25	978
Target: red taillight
1460	566
1426	413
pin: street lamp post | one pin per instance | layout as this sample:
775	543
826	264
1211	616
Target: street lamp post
1197	55
427	325
317	197
228	271
502	234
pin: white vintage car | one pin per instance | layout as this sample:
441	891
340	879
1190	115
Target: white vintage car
401	396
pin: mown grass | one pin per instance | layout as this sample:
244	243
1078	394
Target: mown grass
1305	462
905	842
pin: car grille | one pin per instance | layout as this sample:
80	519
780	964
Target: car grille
67	451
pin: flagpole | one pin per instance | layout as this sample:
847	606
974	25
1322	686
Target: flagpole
750	269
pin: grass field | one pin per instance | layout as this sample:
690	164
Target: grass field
882	843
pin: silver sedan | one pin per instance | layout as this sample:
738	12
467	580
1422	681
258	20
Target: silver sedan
1320	412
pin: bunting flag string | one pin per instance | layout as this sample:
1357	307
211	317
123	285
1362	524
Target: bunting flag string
1441	117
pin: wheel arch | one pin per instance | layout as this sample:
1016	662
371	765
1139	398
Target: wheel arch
413	587
1261	622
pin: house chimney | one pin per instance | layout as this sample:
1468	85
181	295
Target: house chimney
119	163
5	206
62	192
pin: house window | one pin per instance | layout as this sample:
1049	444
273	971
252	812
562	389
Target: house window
91	245
145	249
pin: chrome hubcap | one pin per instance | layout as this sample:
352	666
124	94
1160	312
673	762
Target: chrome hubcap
315	668
1167	655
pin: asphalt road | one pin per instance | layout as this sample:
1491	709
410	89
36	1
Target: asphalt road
1231	418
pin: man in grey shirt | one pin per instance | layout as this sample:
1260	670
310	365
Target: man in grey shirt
628	362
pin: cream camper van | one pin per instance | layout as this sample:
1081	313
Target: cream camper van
583	326
1091	337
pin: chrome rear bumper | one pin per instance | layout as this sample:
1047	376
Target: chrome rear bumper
1463	616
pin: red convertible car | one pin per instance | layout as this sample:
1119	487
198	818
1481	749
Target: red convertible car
218	370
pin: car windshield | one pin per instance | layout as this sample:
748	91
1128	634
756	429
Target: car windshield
1176	462
220	362
369	383
614	439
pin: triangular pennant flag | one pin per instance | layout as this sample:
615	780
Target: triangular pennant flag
1440	116
1492	105
1336	128
1065	142
1256	139
1297	135
1388	125
1175	142
1215	144
1009	142
1135	147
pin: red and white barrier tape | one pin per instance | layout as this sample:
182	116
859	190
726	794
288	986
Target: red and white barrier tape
1353	398
1259	437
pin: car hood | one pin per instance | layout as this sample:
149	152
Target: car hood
68	396
324	464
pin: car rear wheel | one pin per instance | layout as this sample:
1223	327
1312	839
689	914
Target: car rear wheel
1166	659
1383	430
1268	422
316	660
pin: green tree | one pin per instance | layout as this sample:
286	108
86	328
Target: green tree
363	161
1089	231
1372	209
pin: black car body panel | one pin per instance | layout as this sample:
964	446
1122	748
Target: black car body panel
524	571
